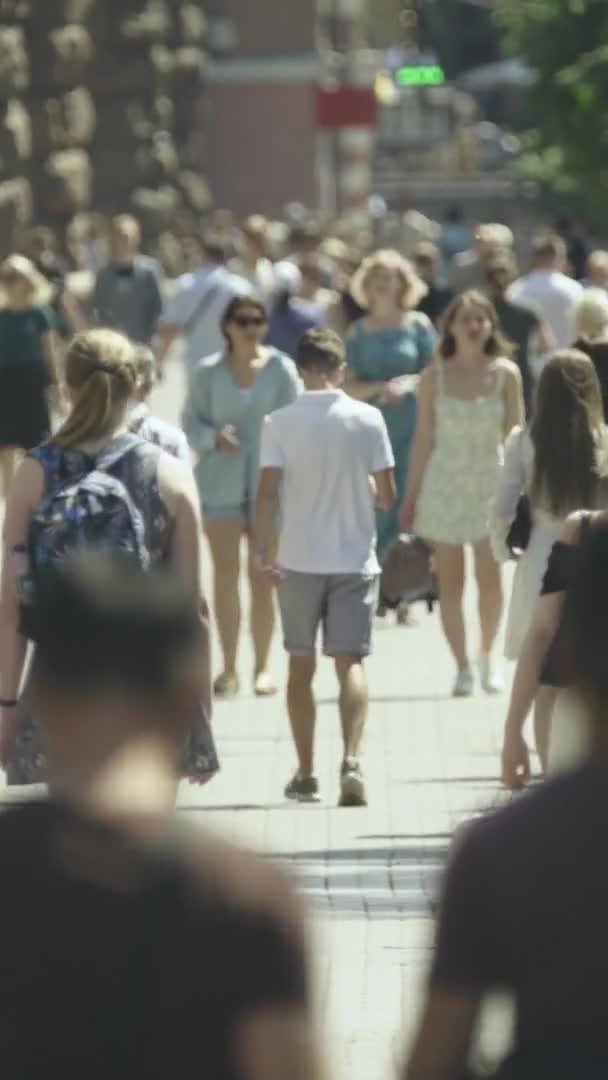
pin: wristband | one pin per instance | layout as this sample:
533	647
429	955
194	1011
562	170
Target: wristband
8	703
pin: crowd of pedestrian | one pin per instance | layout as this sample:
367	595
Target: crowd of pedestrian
338	399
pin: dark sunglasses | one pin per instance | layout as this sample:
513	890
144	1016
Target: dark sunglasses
245	321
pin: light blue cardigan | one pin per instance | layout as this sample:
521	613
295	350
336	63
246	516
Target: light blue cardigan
227	483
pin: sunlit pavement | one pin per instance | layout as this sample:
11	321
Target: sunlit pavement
369	876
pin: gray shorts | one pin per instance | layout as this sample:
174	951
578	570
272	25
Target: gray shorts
344	604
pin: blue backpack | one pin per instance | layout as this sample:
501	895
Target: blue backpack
91	511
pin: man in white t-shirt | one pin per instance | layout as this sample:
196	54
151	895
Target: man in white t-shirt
328	459
548	291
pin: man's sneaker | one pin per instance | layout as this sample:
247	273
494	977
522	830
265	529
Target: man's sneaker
464	685
492	678
352	786
303	788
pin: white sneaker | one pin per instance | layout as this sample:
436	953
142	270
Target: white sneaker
464	685
492	677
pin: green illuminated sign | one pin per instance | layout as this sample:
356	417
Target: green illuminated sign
420	75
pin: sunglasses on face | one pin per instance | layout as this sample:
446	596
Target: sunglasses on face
246	321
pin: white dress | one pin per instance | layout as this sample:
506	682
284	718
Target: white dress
515	480
460	478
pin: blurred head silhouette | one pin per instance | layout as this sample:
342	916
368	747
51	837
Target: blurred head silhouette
117	674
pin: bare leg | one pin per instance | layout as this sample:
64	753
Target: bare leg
449	561
543	711
225	543
353	701
302	710
262	624
489	582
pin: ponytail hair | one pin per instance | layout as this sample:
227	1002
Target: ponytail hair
101	374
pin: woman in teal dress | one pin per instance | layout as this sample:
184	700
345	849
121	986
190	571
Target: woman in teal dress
387	350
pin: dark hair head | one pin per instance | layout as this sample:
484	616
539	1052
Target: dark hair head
321	350
568	415
584	634
496	345
98	623
233	309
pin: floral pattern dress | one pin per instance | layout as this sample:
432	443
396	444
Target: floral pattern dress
460	478
138	470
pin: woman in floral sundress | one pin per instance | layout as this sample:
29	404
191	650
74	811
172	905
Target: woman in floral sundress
468	402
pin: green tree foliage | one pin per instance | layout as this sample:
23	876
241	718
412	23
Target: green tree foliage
566	43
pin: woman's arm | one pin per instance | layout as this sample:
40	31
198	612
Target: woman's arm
541	633
291	386
511	485
197	419
515	411
422	445
179	493
25	494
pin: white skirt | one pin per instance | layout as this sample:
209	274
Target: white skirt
527	584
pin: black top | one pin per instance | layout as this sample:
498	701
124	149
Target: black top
597	352
435	302
518	324
524	909
135	952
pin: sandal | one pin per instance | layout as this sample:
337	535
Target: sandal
226	684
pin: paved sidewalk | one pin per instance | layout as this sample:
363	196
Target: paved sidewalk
370	875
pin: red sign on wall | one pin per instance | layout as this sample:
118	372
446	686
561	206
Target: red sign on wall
346	106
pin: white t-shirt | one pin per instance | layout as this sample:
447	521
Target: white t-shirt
328	446
553	296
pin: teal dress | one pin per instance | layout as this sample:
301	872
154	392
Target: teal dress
381	355
228	483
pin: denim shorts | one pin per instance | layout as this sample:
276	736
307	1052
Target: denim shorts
342	604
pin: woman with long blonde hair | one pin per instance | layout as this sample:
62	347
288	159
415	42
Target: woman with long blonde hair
101	376
28	362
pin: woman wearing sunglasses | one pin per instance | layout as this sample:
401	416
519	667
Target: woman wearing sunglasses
229	396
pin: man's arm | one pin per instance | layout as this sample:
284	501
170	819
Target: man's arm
266	505
386	488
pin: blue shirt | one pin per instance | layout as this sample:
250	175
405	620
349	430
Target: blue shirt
288	324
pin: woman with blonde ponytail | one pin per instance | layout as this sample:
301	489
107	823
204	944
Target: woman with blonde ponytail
101	378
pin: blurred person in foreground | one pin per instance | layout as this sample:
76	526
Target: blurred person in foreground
548	290
138	945
526	893
522	327
194	311
127	295
94	484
